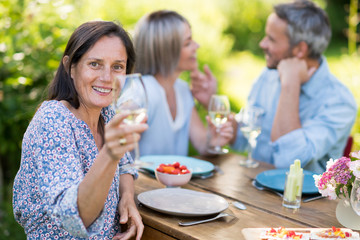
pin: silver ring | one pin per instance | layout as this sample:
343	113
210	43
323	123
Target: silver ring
122	141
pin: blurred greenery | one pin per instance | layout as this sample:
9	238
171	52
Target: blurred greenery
34	34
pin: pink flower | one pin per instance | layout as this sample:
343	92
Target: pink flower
336	179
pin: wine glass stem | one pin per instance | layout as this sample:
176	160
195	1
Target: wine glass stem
249	152
218	138
252	145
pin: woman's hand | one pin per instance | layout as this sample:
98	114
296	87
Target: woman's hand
129	215
223	135
119	137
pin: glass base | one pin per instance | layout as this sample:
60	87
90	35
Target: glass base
249	163
217	150
292	204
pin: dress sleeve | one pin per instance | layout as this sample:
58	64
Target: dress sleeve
317	135
127	159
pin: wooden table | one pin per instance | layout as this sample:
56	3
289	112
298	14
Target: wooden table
264	209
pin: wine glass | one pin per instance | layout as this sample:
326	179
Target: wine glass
219	109
355	196
129	95
249	119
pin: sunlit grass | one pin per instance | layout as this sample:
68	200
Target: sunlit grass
244	67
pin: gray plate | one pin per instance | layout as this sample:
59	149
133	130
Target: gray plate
183	202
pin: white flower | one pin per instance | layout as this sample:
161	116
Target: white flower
354	166
330	163
355	154
317	178
329	191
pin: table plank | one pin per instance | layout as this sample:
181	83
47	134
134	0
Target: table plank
264	209
236	183
225	228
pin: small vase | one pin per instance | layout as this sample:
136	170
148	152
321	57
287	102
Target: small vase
355	196
346	215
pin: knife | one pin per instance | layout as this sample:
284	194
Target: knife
313	198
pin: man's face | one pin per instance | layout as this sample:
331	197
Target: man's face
276	42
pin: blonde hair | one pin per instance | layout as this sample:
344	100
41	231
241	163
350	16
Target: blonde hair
158	40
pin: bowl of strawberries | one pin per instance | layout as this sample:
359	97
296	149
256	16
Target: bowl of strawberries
173	174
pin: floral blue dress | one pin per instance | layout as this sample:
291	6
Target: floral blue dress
58	149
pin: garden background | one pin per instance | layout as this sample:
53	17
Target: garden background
33	35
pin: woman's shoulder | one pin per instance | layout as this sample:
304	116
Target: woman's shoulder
52	110
150	81
182	83
182	87
153	88
51	104
51	115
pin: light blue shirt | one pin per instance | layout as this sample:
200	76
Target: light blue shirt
327	114
166	136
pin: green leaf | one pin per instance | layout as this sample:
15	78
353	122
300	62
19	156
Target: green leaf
337	190
349	188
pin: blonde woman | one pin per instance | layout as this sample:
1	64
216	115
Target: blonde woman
165	48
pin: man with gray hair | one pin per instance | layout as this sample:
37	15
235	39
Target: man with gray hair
308	112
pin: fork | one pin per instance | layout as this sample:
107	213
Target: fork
220	215
260	187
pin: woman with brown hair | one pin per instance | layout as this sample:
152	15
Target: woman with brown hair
71	184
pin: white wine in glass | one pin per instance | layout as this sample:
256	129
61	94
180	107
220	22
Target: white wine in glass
219	109
218	118
249	132
130	96
135	116
250	119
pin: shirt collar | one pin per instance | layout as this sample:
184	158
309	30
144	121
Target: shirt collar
316	82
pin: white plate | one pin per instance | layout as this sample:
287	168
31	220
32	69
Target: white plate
195	165
183	202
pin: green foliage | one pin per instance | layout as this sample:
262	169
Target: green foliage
246	23
31	46
9	228
337	11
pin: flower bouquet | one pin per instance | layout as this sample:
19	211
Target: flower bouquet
341	179
339	176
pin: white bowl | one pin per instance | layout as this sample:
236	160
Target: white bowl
173	180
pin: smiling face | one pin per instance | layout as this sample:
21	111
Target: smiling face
93	74
276	42
188	59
